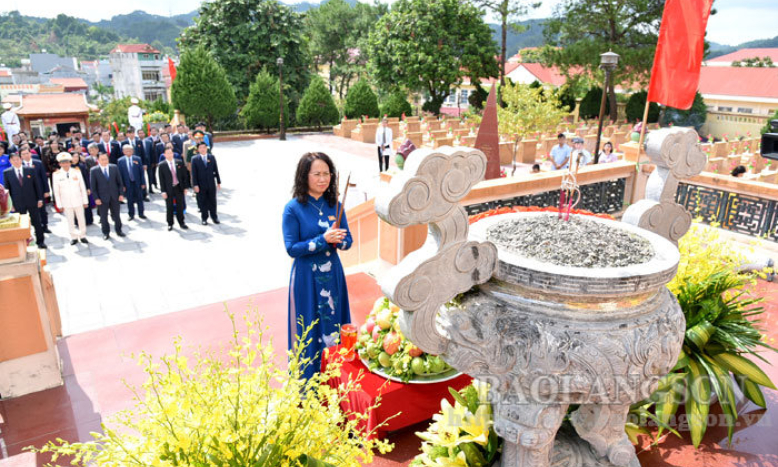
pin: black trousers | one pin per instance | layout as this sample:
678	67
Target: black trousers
35	220
111	205
178	197
151	171
207	201
44	215
383	161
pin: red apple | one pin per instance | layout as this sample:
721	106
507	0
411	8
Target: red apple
391	343
370	323
415	352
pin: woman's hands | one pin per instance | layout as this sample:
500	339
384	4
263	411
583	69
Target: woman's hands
334	236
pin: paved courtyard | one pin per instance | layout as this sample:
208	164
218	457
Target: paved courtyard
152	271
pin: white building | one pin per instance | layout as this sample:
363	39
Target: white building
137	72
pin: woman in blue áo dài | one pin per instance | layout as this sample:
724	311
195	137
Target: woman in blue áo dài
317	285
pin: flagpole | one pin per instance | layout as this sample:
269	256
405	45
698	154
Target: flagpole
643	129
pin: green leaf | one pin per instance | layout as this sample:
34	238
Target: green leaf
307	461
457	397
667	401
698	403
683	361
633	431
700	334
752	391
722	384
473	454
743	366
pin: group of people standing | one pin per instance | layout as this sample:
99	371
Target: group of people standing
562	153
77	174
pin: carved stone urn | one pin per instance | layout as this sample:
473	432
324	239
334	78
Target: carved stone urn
543	336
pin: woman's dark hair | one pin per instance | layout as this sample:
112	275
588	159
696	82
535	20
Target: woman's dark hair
738	170
300	190
608	143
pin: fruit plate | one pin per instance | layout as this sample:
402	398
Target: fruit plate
447	375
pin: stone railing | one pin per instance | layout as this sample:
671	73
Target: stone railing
605	188
743	206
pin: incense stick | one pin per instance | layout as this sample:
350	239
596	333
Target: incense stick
343	203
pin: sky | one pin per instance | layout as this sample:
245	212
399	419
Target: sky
737	21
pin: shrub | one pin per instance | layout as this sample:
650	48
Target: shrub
477	98
261	109
766	128
316	106
637	104
590	104
693	117
361	100
232	407
566	96
396	105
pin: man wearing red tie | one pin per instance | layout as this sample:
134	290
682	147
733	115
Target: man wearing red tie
26	193
173	181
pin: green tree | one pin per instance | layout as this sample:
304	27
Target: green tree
477	98
201	88
396	105
328	42
527	110
694	116
590	104
261	109
430	46
316	106
766	127
636	105
509	12
247	35
581	30
361	100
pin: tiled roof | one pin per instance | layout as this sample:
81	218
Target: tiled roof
5	73
739	81
546	75
53	104
135	49
742	54
70	82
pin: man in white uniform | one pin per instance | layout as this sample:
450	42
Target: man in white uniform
383	140
135	114
71	196
10	121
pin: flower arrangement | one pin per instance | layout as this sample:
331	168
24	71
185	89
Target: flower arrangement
231	407
383	345
156	117
461	434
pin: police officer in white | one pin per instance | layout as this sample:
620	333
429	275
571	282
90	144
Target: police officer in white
135	114
383	139
10	121
71	196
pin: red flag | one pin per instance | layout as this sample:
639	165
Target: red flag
676	71
172	67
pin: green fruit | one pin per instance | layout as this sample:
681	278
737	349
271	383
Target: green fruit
436	364
384	359
398	365
372	350
363	338
417	365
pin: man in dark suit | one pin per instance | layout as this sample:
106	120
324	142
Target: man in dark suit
173	181
153	156
43	181
139	146
159	148
116	147
26	193
178	139
206	181
131	170
107	188
105	143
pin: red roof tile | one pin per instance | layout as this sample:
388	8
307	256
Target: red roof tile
134	49
546	75
739	81
742	54
70	83
5	73
53	104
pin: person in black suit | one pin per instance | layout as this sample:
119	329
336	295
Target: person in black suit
107	188
206	181
173	181
105	142
131	170
159	148
43	180
151	151
178	139
26	193
37	148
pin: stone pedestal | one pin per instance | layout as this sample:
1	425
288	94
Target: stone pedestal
29	361
365	133
345	128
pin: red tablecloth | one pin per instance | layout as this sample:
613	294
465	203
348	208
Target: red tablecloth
413	402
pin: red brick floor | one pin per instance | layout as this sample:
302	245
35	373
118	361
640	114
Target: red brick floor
95	363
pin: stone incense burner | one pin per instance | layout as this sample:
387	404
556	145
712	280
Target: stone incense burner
544	336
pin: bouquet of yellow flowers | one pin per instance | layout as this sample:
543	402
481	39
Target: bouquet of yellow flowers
234	407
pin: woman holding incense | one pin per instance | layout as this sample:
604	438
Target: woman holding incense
315	229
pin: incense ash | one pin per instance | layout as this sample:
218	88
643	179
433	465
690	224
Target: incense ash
579	242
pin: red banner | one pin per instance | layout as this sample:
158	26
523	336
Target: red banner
172	68
676	71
